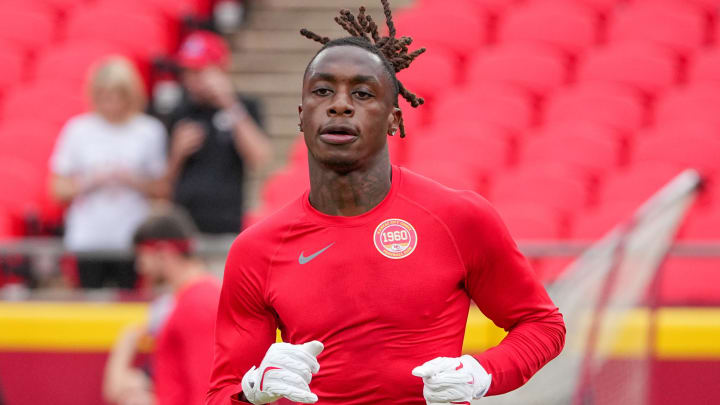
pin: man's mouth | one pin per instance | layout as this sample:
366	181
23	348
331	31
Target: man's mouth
338	134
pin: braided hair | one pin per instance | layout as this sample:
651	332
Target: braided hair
393	52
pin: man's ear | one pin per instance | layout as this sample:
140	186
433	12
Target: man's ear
394	120
300	115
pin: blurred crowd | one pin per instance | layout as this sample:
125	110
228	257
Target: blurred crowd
112	164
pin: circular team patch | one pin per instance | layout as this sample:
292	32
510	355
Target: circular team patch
395	238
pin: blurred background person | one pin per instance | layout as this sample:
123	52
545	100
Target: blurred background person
108	164
215	137
183	348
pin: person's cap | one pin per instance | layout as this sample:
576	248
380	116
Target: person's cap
201	49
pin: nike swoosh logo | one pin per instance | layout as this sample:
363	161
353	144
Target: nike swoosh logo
303	260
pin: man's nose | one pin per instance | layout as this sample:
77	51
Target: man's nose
341	105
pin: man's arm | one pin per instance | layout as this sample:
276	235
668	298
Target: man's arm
245	326
503	285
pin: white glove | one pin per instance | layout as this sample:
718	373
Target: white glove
456	380
286	372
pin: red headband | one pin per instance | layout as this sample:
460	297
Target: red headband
179	245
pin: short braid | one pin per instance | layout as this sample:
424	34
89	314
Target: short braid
394	51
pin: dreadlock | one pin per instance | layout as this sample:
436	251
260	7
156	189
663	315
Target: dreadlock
392	51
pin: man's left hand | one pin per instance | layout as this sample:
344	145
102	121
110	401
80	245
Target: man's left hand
453	380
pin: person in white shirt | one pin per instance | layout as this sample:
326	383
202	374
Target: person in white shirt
108	164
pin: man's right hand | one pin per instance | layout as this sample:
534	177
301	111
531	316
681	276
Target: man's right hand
187	138
285	371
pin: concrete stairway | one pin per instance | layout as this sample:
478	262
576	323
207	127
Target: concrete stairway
270	56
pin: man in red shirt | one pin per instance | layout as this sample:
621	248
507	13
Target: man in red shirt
369	274
184	349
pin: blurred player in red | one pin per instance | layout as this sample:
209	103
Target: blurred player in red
184	345
369	275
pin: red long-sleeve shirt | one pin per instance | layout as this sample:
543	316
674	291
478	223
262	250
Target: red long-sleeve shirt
184	349
385	291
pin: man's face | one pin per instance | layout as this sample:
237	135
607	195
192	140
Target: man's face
149	262
347	108
194	82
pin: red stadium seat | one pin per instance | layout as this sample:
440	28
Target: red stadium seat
548	269
7	228
594	224
15	136
435	63
530	68
146	38
697	105
690	145
484	7
549	185
470	150
71	62
25	181
587	147
599	6
283	187
64	6
707	6
604	104
700	226
531	221
429	27
689	281
448	173
51	102
563	26
28	30
705	67
640	66
638	182
12	69
508	108
679	28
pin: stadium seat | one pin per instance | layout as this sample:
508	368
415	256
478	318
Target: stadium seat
284	186
700	226
52	102
601	7
593	224
13	68
561	25
640	66
605	104
674	26
506	108
448	173
688	144
706	6
71	62
689	281
530	68
548	269
146	39
484	7
431	27
531	221
705	67
63	6
25	181
16	135
435	63
471	150
638	182
589	148
7	228
695	105
28	30
550	185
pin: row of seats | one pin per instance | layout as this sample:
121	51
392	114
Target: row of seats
564	25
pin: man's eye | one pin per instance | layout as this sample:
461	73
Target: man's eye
363	94
322	92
